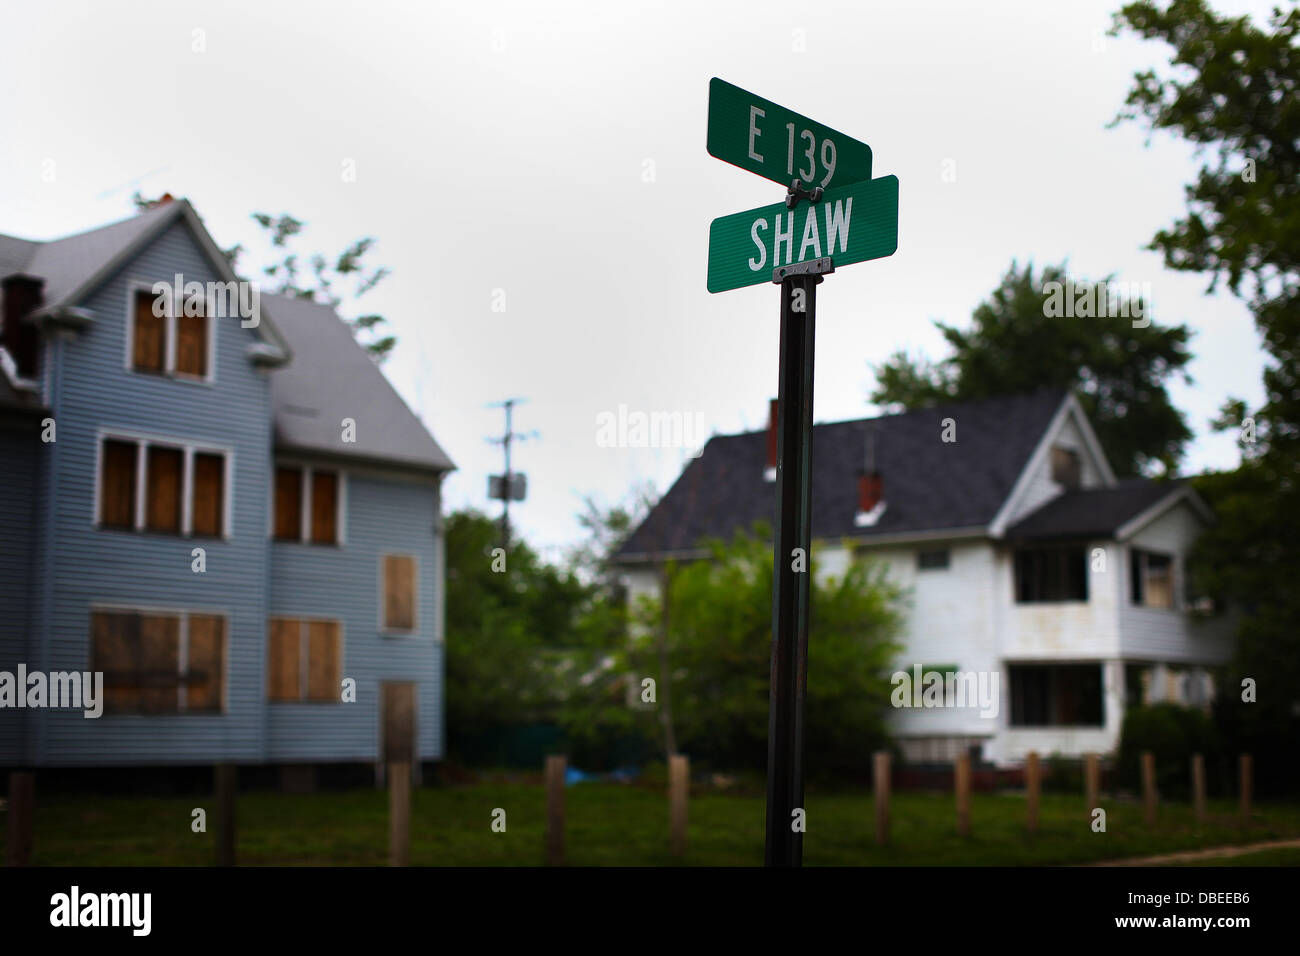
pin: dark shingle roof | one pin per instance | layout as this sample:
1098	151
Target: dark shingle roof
332	378
929	484
1093	512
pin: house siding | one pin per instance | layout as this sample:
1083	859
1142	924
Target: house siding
382	516
20	457
1171	635
95	392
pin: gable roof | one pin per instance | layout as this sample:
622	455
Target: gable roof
929	485
1093	512
74	266
328	376
332	378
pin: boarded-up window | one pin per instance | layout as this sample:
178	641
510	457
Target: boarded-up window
288	504
1065	467
115	651
149	335
399	592
324	507
304	660
1151	577
324	661
117	485
209	494
283	668
163	489
192	345
205	678
159	663
139	654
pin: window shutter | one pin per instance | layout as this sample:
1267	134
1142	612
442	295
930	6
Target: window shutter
324	507
282	665
192	345
163	494
399	592
288	504
117	485
149	335
209	494
205	686
324	663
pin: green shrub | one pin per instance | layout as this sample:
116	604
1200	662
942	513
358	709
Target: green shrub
1173	734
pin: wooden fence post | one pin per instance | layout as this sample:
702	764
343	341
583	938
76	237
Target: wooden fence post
1091	782
880	781
22	807
1246	782
555	770
1033	783
679	783
961	780
1198	786
1148	787
399	813
226	778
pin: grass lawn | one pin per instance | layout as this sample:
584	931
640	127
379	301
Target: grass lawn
617	825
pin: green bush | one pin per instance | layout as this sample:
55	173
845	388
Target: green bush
1173	734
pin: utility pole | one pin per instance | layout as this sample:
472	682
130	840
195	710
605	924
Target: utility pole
512	485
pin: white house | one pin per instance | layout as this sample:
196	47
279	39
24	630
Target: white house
1026	564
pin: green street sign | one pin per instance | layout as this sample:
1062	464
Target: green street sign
779	144
850	224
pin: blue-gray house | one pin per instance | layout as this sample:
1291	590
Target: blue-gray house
218	503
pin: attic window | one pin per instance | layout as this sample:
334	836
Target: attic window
1151	577
171	344
1065	466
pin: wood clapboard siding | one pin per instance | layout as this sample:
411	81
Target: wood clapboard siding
19	471
69	568
345	583
94	568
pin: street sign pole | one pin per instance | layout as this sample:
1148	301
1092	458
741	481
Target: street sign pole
850	217
790	586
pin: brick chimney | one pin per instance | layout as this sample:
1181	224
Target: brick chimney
871	491
769	472
22	295
871	486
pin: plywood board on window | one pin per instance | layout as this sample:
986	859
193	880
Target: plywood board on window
283	661
205	688
324	661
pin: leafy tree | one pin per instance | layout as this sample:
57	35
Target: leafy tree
1019	342
319	279
719	651
508	617
1234	94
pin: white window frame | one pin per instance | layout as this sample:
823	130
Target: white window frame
143	441
1140	554
414	629
134	287
182	652
304	511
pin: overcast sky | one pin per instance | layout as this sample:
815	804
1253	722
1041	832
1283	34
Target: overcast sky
556	152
